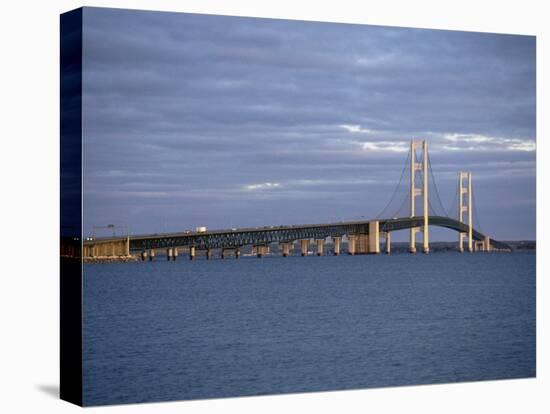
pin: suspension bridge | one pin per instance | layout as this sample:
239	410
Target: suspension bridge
414	206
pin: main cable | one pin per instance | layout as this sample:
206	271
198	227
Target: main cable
396	187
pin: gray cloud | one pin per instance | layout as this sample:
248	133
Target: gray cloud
193	119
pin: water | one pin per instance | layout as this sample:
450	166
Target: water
203	329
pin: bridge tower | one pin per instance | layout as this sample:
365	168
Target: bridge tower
417	192
462	190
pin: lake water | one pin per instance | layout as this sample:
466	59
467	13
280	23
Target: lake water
204	329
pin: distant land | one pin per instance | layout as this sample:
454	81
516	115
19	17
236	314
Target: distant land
516	245
274	250
403	247
396	247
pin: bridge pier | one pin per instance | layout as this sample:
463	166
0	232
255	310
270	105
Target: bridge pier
223	254
337	242
168	254
106	248
361	243
175	253
304	246
351	244
192	253
425	244
388	242
461	242
151	255
374	237
237	253
412	247
285	247
261	251
208	254
320	246
143	255
487	244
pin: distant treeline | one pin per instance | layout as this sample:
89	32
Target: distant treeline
403	247
396	247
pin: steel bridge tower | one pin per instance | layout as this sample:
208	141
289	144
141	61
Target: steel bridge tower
417	192
462	177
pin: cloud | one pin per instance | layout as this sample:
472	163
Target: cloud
355	129
267	115
385	146
483	142
262	186
522	146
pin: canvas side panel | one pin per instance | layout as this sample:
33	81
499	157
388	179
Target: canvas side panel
71	206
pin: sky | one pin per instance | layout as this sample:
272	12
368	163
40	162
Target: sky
201	120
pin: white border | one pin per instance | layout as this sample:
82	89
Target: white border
30	191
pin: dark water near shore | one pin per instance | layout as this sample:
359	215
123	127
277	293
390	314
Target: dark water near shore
186	330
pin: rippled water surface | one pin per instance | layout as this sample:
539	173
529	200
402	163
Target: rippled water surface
203	329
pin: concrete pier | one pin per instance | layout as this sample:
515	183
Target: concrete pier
351	244
175	253
105	249
285	248
361	243
151	255
374	237
487	244
261	251
168	254
192	253
412	247
337	243
143	255
304	246
208	254
388	242
320	246
237	253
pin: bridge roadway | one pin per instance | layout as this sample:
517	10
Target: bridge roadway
262	236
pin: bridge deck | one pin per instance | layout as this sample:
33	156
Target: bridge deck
231	238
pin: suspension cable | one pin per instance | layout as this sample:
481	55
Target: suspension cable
436	190
474	209
396	187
